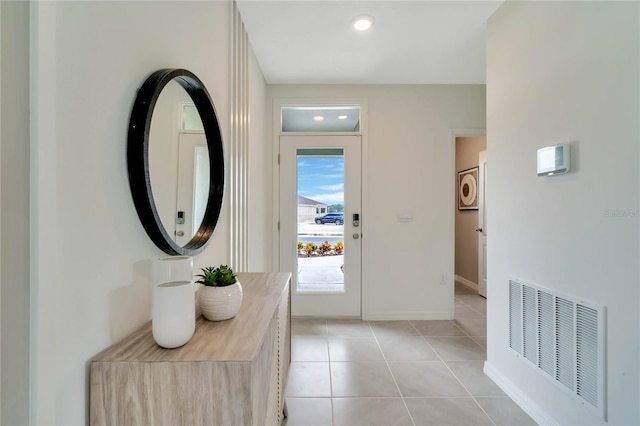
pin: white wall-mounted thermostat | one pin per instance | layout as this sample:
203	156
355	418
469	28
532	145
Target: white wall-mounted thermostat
554	160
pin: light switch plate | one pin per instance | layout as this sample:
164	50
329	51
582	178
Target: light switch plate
405	216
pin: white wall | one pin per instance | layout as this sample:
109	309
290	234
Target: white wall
14	224
91	256
1	61
260	188
566	72
409	165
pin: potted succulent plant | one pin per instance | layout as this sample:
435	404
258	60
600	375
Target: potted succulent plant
220	295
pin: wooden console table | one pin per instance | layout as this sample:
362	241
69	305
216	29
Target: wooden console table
231	372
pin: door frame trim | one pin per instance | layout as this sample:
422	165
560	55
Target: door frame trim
275	148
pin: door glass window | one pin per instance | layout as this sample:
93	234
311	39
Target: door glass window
190	118
321	119
320	220
201	180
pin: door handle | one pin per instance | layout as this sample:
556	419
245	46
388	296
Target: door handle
478	229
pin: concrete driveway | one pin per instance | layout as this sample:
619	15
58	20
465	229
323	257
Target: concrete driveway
320	273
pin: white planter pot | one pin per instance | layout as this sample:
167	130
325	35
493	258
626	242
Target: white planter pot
173	314
220	303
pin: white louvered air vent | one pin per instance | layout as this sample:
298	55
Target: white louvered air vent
563	338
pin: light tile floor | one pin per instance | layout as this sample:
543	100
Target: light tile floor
352	372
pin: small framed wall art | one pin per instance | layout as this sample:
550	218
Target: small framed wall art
468	189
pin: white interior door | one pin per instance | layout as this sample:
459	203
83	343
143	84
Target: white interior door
482	224
321	173
193	185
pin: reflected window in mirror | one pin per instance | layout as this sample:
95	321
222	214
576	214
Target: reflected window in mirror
178	163
175	161
190	119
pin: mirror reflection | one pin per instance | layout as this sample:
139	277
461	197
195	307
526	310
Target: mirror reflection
178	163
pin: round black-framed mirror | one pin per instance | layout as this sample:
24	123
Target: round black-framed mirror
138	160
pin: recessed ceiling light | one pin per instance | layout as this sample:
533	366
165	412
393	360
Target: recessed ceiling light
342	117
363	23
318	117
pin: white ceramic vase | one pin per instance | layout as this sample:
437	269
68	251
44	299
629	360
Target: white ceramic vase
172	268
173	314
220	303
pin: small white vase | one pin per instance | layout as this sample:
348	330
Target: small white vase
173	317
220	303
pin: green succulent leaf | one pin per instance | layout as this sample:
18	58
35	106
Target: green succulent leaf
221	276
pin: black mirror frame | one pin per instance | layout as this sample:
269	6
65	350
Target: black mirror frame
138	160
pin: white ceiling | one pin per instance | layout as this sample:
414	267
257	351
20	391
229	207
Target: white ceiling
411	42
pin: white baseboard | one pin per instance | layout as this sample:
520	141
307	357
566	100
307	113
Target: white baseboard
528	406
323	317
467	282
418	315
387	316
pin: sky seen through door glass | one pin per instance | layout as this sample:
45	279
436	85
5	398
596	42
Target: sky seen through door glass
321	178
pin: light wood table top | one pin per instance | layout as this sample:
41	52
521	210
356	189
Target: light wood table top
234	340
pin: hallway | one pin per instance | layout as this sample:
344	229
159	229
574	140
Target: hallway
352	372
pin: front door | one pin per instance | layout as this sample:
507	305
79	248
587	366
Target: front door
192	187
320	223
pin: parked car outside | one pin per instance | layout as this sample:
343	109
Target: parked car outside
337	218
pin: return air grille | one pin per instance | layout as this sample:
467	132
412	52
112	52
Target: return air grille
563	338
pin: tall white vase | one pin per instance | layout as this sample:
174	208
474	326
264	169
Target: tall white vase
173	315
173	268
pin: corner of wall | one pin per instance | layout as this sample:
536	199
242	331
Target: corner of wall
528	405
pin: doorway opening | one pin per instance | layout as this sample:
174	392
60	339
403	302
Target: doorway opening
470	227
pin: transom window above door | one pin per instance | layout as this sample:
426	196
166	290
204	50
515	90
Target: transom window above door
190	118
341	118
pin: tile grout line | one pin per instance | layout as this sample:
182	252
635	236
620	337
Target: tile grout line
485	349
387	363
456	298
479	313
470	307
444	363
478	343
413	422
451	371
326	336
326	327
